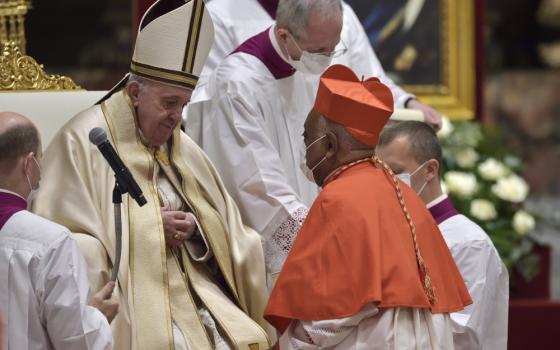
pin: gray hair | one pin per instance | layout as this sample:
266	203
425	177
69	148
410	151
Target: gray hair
294	14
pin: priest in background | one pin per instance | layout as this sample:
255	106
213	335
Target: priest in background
413	152
249	118
192	275
44	288
369	268
235	21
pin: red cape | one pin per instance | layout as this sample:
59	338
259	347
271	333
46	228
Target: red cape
356	247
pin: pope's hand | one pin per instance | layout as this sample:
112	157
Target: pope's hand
431	116
178	226
106	302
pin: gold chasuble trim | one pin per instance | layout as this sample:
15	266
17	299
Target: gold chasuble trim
207	216
150	288
164	75
194	34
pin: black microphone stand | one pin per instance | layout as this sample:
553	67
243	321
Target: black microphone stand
118	192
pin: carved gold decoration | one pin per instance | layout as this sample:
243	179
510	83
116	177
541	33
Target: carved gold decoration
12	17
21	72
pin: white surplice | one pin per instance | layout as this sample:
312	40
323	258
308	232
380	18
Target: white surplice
237	20
44	289
373	328
484	323
250	125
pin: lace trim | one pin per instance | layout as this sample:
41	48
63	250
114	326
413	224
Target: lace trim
279	244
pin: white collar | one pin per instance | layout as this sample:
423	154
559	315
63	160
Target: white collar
10	192
436	201
275	43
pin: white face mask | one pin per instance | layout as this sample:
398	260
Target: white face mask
303	165
406	178
32	191
309	63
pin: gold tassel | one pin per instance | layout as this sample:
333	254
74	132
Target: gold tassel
429	289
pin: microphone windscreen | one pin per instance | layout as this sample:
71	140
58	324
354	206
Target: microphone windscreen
97	136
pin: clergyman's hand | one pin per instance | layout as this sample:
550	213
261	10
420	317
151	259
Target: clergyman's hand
431	116
178	226
106	302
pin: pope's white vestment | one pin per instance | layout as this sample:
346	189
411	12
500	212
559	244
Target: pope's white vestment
194	297
44	289
484	323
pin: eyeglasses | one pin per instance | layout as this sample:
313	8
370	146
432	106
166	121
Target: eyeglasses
332	54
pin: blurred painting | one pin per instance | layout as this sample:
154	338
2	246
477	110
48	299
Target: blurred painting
426	46
405	35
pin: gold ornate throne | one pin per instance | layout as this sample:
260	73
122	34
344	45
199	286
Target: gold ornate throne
17	70
48	99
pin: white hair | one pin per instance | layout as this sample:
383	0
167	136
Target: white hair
143	82
294	14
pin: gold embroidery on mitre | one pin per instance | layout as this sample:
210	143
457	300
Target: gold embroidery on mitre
164	75
194	34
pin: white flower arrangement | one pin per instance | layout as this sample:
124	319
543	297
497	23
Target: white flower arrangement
492	170
480	175
461	183
512	188
467	157
523	222
483	209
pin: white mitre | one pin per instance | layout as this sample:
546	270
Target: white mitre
173	42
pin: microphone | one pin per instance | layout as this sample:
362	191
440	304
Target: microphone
125	180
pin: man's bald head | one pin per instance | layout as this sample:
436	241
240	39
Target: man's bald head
18	137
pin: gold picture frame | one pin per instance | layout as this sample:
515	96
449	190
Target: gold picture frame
453	92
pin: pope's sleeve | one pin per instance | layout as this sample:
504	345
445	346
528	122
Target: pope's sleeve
363	59
70	322
233	136
480	269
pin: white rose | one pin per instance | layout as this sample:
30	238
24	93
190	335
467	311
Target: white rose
483	209
466	157
461	184
523	222
511	188
491	169
446	128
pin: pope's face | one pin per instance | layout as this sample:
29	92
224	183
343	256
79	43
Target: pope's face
158	109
